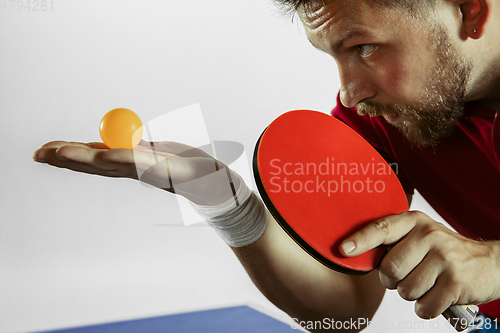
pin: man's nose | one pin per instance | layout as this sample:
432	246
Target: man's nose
354	89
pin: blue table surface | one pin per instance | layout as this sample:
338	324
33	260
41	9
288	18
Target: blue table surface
239	319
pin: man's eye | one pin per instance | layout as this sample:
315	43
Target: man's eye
365	49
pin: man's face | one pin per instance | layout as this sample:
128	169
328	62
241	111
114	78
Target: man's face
392	65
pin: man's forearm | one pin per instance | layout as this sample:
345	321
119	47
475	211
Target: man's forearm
301	286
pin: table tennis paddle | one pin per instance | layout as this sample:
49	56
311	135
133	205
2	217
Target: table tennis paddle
322	182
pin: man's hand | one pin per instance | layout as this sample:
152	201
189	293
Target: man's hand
171	166
430	263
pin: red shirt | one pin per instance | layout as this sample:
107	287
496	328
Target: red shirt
459	177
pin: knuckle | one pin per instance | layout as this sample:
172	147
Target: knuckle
455	274
432	235
446	250
428	229
406	293
425	311
455	257
390	269
387	282
415	213
453	284
61	151
383	227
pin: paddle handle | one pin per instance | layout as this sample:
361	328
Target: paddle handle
461	316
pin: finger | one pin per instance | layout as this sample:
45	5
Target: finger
402	258
85	160
439	298
387	230
112	162
119	155
44	153
420	280
97	145
80	154
58	144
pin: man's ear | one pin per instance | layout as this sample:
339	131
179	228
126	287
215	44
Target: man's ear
475	15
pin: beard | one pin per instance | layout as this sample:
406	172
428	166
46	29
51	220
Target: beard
435	115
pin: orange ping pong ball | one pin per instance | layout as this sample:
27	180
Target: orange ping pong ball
121	128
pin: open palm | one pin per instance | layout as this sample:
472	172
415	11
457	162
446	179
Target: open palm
171	166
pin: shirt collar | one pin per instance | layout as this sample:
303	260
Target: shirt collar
472	109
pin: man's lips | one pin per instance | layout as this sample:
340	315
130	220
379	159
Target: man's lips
391	118
398	119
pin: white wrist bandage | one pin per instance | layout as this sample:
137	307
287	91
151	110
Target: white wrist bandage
240	221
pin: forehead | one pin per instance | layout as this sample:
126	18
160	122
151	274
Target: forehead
321	15
341	18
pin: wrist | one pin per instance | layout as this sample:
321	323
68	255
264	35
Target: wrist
241	220
212	189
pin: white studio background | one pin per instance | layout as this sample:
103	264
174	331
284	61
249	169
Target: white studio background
77	249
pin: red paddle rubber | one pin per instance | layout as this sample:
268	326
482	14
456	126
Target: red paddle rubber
322	182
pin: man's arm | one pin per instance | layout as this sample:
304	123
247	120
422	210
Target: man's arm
301	286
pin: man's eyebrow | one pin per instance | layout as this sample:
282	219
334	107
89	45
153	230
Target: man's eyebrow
337	44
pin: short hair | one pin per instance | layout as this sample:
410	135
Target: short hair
414	7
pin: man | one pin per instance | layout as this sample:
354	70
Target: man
406	65
385	72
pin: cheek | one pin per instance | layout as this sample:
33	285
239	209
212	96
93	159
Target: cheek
404	80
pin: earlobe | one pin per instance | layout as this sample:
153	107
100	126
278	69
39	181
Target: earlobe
475	15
